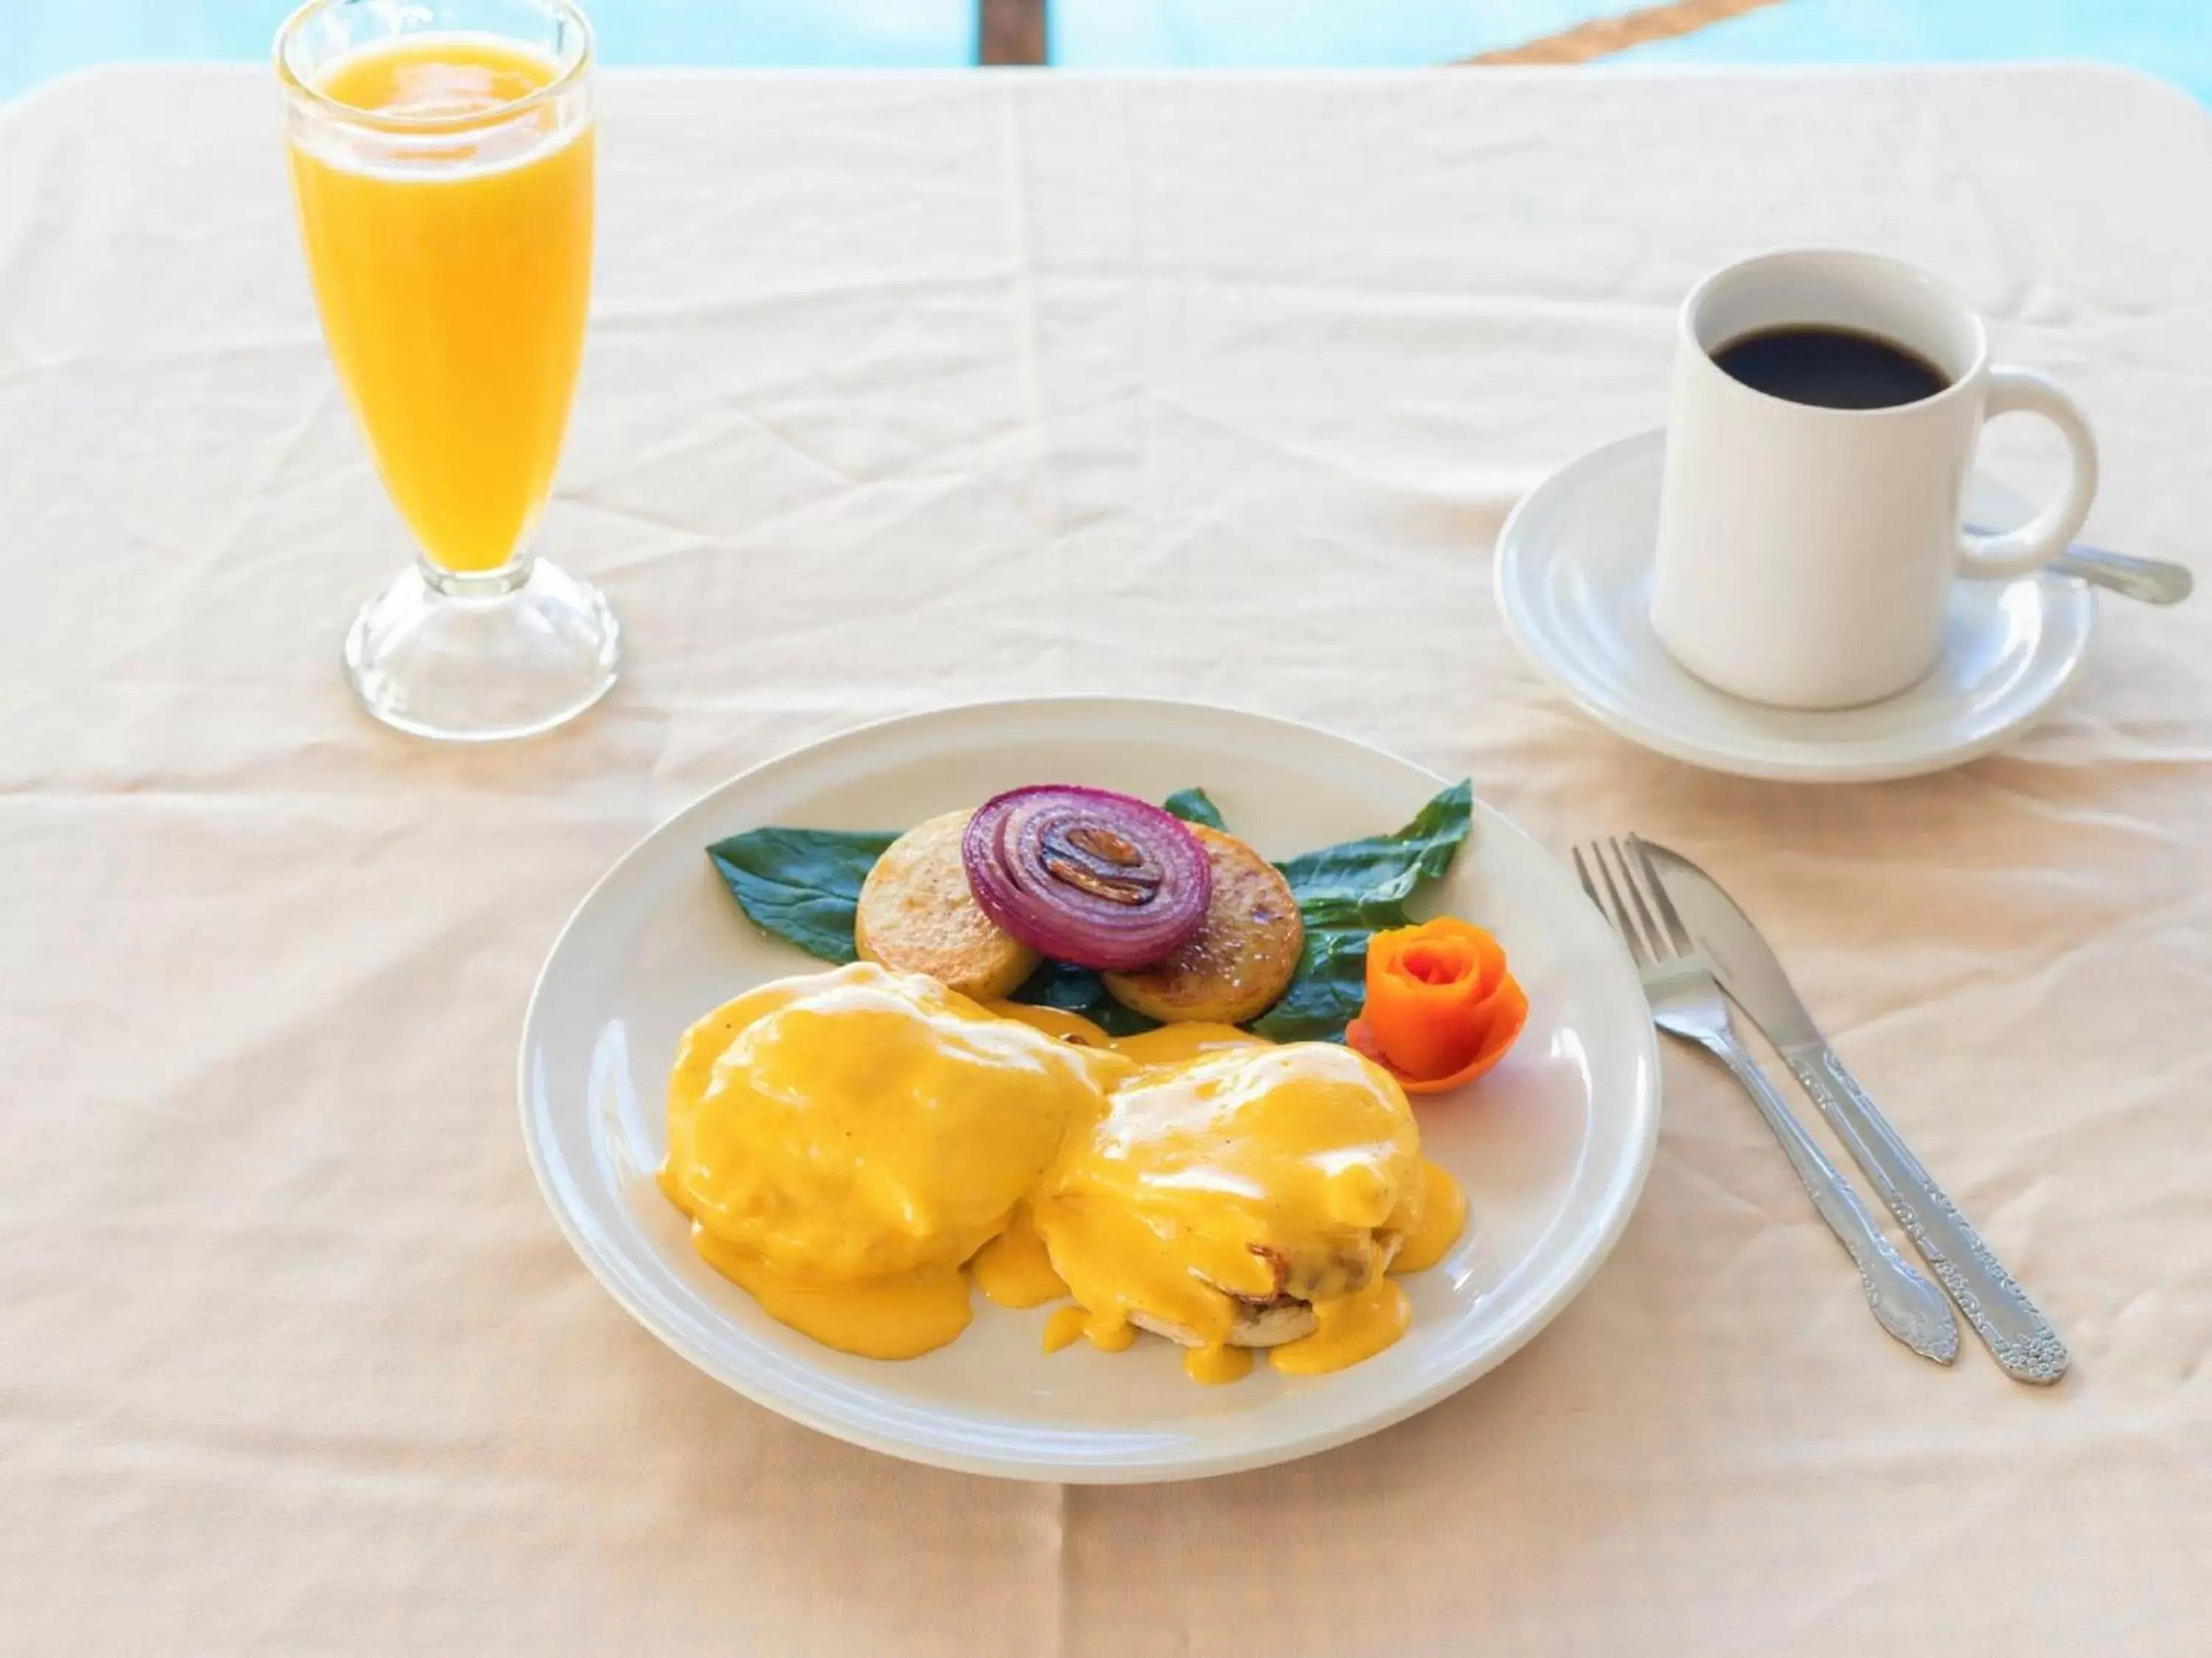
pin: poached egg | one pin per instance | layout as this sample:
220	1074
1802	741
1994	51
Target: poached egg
845	1141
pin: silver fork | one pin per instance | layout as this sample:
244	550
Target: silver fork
1685	1002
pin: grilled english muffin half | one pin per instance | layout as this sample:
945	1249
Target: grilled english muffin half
916	915
1243	955
1270	1325
1287	1316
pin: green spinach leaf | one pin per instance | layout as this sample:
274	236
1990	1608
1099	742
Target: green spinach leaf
800	885
1369	880
1346	894
1196	806
1079	990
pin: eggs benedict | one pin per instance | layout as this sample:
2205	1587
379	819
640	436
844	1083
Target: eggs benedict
844	1143
1249	1197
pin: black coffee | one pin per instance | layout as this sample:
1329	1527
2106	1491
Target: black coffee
1830	368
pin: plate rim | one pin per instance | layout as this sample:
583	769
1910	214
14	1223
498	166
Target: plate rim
1809	767
1645	1106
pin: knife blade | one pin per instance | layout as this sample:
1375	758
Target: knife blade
2017	1333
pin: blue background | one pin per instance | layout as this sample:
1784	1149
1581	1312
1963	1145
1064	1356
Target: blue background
40	39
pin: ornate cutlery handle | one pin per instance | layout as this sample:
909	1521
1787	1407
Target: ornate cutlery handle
2025	1344
1904	1303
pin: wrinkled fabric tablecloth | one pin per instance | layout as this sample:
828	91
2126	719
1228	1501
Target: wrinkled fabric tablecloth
903	391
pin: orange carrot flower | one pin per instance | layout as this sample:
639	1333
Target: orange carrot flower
1441	1008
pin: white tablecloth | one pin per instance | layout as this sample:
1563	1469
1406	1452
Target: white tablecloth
908	390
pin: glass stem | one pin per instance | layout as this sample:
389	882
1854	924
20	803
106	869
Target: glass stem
479	584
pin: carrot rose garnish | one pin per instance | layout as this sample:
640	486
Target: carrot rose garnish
1441	1008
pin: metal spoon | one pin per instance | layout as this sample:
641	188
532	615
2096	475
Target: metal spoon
2153	580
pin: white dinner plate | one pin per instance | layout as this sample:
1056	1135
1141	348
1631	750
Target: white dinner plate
1574	585
1551	1147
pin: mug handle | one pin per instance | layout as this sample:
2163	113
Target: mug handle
2043	537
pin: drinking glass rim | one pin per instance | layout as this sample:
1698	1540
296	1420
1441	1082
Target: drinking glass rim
297	86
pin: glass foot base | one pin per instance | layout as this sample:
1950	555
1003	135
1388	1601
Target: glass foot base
478	658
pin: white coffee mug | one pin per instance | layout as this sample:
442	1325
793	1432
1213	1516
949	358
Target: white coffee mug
1805	553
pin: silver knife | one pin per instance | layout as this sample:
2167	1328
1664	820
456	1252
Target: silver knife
2025	1346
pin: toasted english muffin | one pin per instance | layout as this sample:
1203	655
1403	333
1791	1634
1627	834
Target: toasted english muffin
1268	1324
1288	1317
1243	955
916	915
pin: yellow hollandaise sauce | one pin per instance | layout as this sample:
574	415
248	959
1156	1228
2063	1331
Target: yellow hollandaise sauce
1071	1027
1347	1329
853	1147
1216	1367
1216	1192
1014	1268
898	1317
1443	1218
1164	1046
845	1141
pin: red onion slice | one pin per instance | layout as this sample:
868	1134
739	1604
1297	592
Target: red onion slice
1087	875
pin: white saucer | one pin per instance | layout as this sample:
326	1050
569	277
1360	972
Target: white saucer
1574	584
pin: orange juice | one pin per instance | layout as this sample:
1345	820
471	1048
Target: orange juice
452	271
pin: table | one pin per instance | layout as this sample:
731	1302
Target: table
904	390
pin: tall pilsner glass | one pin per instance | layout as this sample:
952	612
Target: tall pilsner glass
442	160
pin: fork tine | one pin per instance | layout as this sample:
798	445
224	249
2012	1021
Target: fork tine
1648	949
1590	887
1613	919
1666	909
1623	923
1628	874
